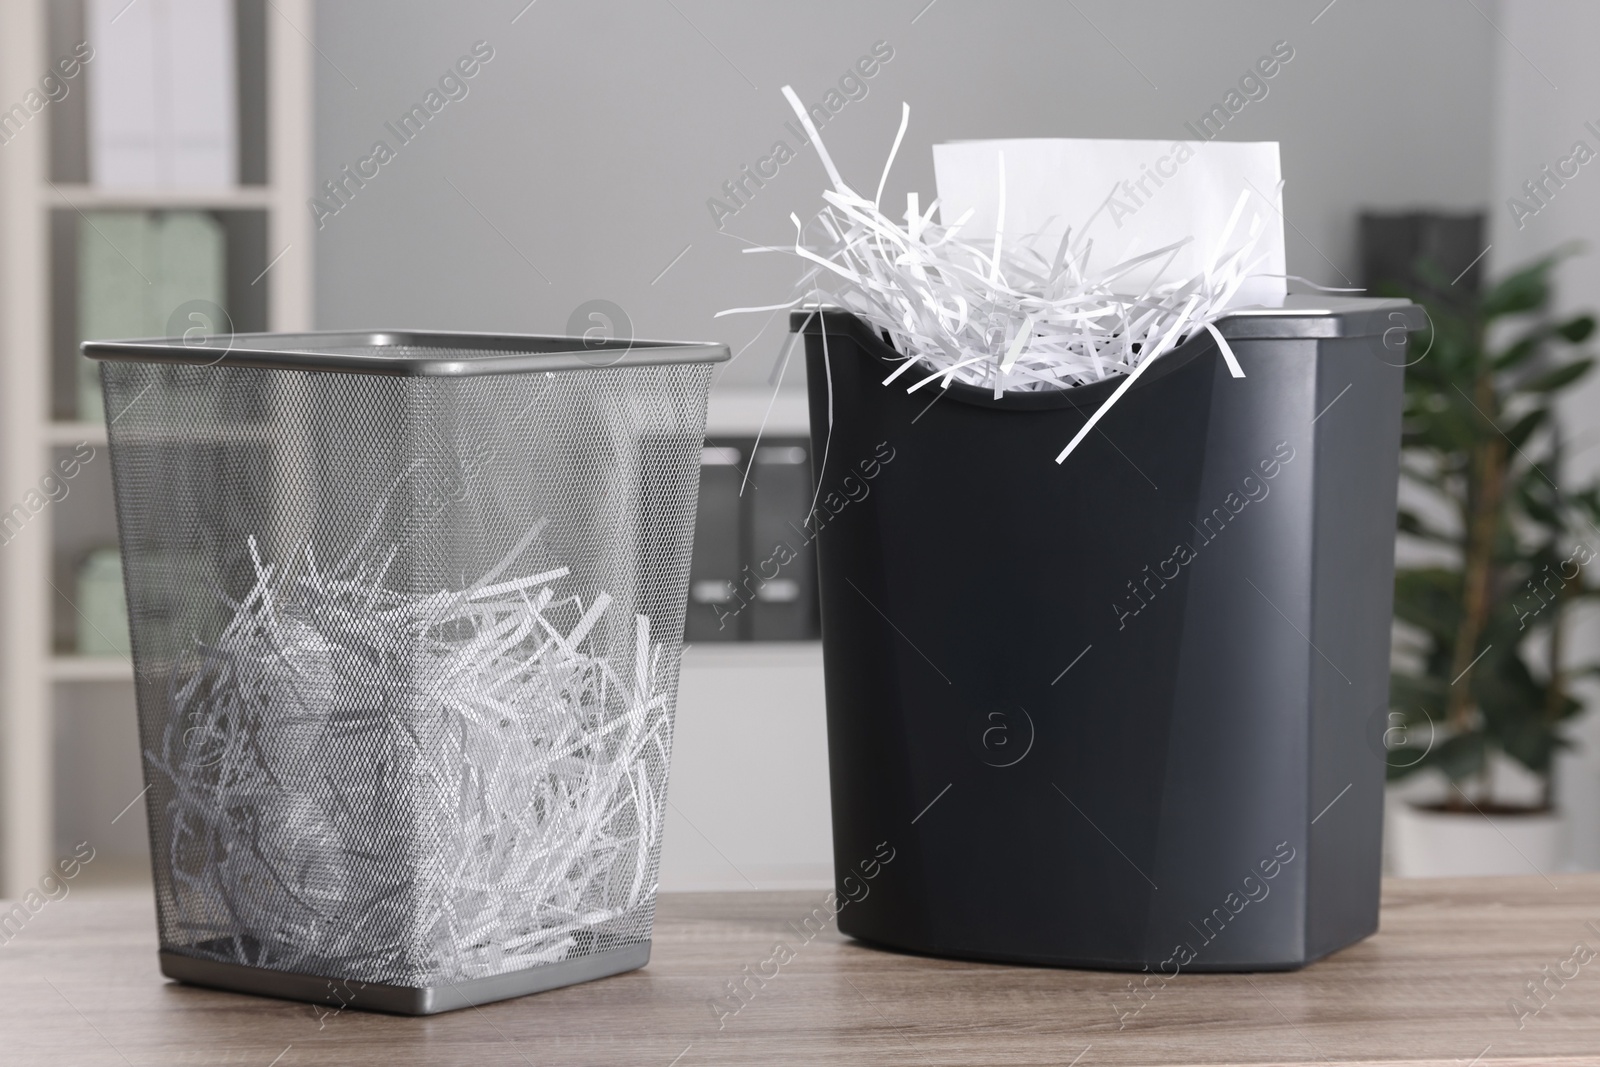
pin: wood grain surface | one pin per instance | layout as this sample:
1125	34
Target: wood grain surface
79	985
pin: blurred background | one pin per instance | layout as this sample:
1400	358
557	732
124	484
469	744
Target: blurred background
560	167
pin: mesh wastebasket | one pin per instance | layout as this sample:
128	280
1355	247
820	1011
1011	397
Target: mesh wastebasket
406	613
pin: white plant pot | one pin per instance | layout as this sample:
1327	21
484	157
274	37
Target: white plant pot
1442	844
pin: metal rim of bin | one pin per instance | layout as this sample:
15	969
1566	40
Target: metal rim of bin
442	354
403	1000
1300	316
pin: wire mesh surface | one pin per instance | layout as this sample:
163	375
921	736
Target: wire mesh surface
407	653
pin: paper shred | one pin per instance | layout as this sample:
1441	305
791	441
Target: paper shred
996	314
480	739
905	121
1024	335
1227	352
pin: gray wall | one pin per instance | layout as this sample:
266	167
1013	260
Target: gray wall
593	139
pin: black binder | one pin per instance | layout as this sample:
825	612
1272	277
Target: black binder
753	576
780	555
713	612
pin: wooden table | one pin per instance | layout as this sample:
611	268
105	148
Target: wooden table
79	986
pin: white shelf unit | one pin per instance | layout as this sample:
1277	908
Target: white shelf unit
35	682
90	198
90	669
62	434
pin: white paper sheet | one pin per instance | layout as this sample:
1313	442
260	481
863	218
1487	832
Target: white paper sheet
125	109
163	98
1127	196
204	86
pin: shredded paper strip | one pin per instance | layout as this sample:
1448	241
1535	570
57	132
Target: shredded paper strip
1003	315
373	781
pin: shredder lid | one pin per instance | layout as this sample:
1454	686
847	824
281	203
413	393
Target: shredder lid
1318	315
406	353
1302	315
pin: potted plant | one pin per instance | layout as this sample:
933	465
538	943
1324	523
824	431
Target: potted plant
1482	654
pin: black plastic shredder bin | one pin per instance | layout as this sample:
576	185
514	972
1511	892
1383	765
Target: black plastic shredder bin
1125	711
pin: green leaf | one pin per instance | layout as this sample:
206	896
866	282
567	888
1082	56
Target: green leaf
1419	700
1429	598
1427	269
1577	330
1411	523
1558	378
1519	352
1534	503
1507	694
1532	745
1570	706
1396	771
1460	757
1524	427
1526	290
